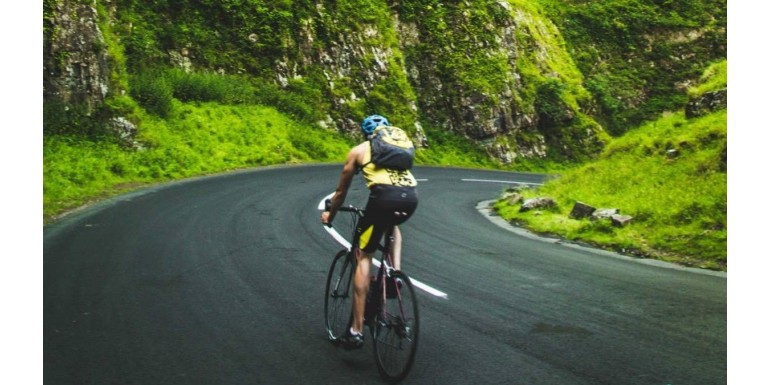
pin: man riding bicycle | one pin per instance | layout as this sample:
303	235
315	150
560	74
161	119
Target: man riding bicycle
392	200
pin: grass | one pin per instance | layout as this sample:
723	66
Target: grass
714	78
195	139
679	203
201	138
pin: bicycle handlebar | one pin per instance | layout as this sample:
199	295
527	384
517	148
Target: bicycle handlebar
348	208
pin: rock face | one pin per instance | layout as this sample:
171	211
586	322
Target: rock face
75	65
353	66
456	67
125	130
488	104
706	103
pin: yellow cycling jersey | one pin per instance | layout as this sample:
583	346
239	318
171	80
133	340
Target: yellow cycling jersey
378	175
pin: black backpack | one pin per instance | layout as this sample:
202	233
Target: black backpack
391	148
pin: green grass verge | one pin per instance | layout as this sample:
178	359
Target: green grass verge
195	139
201	138
678	202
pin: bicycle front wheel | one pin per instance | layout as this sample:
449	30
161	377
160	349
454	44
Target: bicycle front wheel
396	329
339	295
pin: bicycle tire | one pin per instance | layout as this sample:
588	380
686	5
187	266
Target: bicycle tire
339	295
396	331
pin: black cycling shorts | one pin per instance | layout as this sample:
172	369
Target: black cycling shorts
387	206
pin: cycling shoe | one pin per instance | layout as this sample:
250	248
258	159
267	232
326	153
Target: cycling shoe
352	341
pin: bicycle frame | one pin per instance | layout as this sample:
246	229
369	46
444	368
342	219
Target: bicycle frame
394	333
385	259
384	247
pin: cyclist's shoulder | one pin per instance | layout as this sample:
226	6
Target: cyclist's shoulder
359	151
363	146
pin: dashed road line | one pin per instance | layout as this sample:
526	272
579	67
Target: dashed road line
500	181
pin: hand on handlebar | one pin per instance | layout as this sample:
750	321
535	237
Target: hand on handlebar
325	214
325	218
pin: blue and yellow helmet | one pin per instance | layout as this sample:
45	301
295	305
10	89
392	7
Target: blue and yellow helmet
371	122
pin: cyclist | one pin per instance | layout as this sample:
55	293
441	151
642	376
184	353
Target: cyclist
392	200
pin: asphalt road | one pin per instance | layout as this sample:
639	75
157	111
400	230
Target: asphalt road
220	280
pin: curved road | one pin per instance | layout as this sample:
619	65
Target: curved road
219	280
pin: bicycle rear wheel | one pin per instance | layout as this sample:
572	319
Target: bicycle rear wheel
396	328
339	295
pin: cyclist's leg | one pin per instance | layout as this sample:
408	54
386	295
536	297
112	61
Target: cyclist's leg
395	248
368	233
360	288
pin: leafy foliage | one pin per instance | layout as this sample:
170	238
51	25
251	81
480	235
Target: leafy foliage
153	92
636	54
156	89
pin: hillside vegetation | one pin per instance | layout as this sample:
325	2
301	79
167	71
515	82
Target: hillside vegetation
199	138
195	139
525	80
670	175
140	92
639	57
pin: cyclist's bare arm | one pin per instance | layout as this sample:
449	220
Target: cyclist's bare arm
355	158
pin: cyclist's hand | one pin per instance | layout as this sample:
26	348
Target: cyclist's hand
325	218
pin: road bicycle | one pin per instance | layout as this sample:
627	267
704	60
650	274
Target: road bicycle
391	306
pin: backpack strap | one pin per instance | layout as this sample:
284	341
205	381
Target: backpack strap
361	167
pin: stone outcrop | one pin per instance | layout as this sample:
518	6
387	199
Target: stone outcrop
537	203
501	120
706	103
581	210
76	66
620	220
75	63
600	214
125	130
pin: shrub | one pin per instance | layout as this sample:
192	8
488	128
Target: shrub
153	92
208	87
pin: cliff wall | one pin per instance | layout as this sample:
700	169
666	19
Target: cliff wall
495	71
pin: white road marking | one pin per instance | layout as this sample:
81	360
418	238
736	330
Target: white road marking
500	181
344	242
